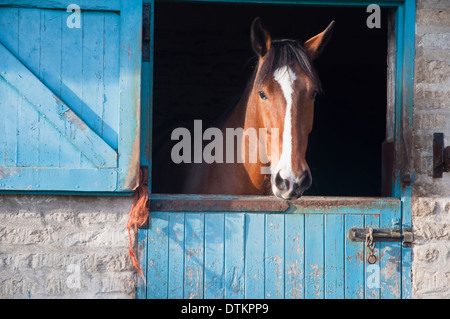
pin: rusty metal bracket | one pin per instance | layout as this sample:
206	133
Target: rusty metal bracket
382	234
441	156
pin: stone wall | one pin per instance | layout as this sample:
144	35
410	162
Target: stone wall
431	197
65	247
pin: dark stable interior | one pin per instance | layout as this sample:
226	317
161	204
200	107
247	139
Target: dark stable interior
203	60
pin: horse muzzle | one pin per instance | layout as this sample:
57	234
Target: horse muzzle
288	187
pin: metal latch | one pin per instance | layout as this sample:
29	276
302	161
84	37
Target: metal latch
382	234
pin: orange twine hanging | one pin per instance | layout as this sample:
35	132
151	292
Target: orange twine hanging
138	216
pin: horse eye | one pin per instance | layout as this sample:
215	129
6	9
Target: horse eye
313	96
262	95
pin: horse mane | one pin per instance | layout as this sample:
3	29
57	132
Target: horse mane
282	53
286	53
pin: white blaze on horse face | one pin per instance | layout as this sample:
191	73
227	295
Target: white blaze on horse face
286	77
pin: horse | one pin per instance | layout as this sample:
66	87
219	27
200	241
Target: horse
278	98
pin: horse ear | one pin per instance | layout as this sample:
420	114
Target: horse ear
260	38
316	44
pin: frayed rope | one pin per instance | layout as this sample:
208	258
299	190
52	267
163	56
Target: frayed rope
138	216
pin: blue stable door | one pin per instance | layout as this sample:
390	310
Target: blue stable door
301	250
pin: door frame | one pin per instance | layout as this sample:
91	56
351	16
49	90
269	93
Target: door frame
403	77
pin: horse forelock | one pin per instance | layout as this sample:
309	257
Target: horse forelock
286	53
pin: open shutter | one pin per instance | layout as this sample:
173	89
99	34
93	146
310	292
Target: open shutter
70	95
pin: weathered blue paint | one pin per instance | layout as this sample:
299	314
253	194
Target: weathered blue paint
158	256
298	254
274	256
214	256
234	256
49	109
194	231
372	280
130	93
176	255
73	179
254	251
391	261
71	97
294	252
334	257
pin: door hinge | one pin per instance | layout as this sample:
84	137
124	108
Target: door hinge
441	156
146	18
144	172
382	234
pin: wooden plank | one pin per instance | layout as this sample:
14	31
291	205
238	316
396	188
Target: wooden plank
254	255
147	95
274	273
354	254
194	257
55	111
92	75
51	179
372	272
157	254
111	98
294	256
334	257
406	251
49	74
9	109
71	87
9	30
314	257
390	79
130	93
305	205
142	244
214	256
176	255
28	118
234	256
390	254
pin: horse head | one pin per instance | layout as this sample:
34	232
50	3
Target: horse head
285	87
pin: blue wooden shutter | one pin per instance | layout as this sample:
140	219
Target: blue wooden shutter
70	97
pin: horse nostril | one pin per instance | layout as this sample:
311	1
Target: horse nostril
305	180
281	183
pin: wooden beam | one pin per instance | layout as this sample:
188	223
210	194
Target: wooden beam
97	5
